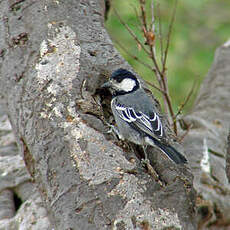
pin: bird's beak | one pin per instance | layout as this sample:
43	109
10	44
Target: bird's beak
106	85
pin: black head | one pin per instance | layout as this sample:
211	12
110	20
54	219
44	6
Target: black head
120	74
122	82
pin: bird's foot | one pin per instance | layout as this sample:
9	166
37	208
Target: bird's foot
145	162
114	131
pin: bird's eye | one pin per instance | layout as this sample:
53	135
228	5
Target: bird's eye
119	79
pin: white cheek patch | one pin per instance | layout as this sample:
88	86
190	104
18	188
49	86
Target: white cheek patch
126	85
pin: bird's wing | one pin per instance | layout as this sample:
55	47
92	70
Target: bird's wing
148	124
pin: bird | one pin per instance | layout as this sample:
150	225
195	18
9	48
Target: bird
136	116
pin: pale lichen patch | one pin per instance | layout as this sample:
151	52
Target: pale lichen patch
58	66
55	55
43	48
205	161
55	70
140	209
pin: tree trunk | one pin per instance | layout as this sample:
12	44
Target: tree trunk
206	143
54	57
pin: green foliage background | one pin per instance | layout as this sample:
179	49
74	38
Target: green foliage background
200	27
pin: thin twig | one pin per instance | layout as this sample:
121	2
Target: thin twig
163	82
180	139
152	55
169	36
152	49
145	30
164	86
143	15
185	101
153	25
132	55
153	18
161	78
137	16
154	86
131	32
171	112
160	33
138	23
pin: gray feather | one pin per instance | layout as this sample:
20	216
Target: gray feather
142	116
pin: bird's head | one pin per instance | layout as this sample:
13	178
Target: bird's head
122	82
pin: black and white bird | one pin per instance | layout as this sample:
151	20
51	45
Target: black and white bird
135	114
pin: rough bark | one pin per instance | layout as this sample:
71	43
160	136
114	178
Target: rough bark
228	159
206	143
20	203
54	56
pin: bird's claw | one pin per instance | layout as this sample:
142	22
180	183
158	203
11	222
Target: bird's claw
114	131
109	131
145	162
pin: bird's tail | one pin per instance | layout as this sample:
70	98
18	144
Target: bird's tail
171	152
